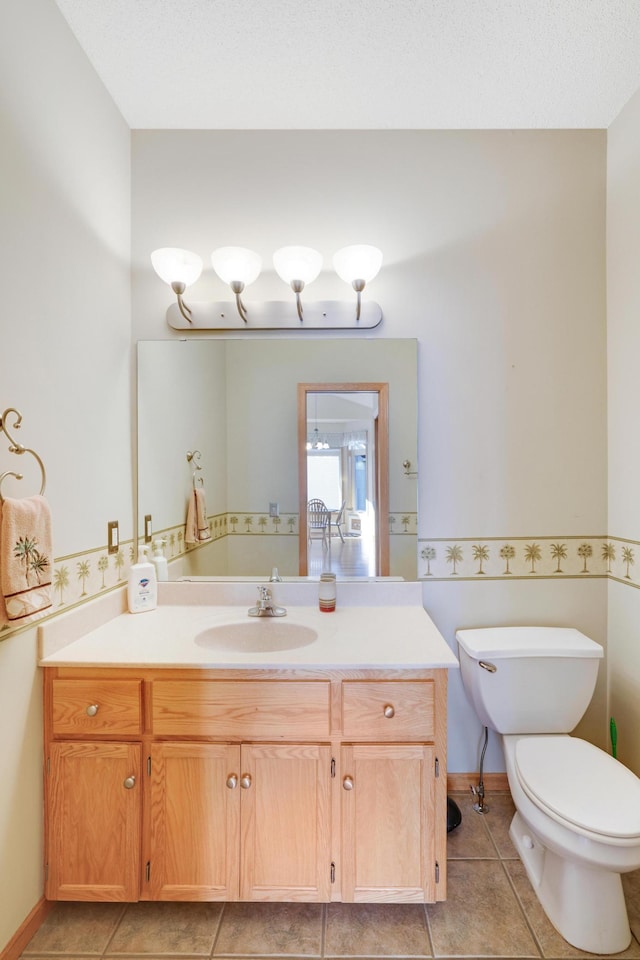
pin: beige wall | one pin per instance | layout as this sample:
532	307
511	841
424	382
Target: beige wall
623	353
64	359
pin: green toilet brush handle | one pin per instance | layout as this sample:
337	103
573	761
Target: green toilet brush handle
614	736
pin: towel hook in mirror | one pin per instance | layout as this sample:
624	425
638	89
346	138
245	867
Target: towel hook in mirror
193	456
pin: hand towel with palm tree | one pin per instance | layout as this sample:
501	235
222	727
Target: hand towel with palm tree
25	557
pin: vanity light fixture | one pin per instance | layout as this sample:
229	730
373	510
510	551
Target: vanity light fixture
357	265
238	267
179	268
297	266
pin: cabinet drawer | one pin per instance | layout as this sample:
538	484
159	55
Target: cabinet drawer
391	710
241	709
97	706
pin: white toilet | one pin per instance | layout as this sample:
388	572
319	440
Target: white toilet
577	821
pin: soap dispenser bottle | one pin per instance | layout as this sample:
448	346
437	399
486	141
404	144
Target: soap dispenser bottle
159	560
142	592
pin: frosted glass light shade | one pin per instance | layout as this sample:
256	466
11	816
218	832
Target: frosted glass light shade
297	263
176	266
236	264
359	262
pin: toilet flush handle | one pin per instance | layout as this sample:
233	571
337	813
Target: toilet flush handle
490	667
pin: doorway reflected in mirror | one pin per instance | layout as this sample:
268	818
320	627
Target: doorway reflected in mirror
343	458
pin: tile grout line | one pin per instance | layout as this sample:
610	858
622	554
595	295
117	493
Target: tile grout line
428	926
218	929
115	929
513	888
521	905
323	929
501	860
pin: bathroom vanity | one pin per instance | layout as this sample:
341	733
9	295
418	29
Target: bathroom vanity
184	765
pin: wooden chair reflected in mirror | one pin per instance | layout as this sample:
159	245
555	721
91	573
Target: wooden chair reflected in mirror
318	520
338	520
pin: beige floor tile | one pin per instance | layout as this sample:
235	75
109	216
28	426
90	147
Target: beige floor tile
482	916
76	928
498	821
471	840
161	928
376	930
281	929
551	943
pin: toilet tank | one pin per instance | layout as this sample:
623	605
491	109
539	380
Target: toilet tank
528	679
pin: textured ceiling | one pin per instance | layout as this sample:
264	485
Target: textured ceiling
363	64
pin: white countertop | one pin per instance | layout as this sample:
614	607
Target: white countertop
375	625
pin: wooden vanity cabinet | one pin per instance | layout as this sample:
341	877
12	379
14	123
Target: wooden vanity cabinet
239	822
93	807
245	785
193	822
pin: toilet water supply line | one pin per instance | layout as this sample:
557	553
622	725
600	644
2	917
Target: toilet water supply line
478	791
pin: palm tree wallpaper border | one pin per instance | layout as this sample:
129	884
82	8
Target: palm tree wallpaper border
526	558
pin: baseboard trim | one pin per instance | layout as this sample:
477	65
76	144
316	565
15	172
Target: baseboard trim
462	783
26	930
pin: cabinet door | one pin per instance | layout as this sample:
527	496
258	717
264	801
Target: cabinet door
286	822
94	817
388	834
194	821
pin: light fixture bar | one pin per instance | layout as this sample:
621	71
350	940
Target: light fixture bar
297	266
275	315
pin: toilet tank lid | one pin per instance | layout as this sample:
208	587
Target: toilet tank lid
502	642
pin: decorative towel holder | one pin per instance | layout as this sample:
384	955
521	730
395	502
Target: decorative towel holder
18	448
193	456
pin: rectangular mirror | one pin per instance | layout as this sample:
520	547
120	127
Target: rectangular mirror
234	404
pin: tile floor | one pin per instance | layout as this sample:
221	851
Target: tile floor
491	911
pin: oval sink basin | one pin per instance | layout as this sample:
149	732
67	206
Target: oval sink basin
261	635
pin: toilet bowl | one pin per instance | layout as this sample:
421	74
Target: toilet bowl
576	829
577	821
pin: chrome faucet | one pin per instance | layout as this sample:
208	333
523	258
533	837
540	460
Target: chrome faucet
265	606
275	576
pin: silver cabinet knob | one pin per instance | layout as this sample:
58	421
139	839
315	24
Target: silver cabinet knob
92	709
389	711
129	783
245	781
232	781
347	783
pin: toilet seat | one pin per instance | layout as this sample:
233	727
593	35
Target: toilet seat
577	784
